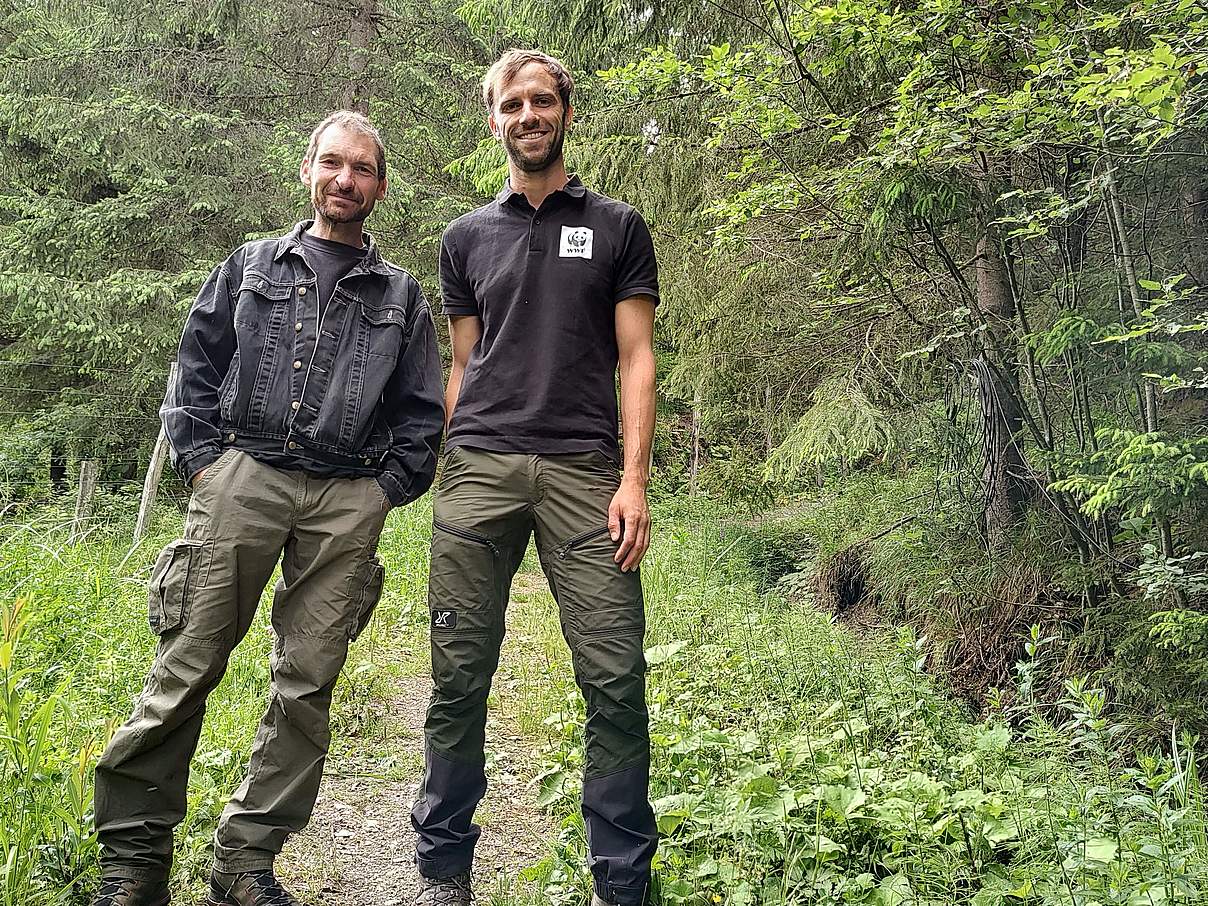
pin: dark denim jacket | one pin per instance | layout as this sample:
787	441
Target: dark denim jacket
357	393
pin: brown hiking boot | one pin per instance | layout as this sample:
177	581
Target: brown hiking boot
131	892
454	891
248	888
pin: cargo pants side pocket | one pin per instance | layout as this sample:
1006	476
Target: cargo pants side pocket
178	572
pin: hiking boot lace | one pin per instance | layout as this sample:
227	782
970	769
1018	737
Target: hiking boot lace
268	890
112	892
454	891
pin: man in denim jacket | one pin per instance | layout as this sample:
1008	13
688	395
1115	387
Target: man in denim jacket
308	402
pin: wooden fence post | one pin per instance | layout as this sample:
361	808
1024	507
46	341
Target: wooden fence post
155	470
83	506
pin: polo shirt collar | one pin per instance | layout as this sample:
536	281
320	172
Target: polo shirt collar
574	188
292	242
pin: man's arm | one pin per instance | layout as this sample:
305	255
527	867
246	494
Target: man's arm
190	408
628	514
464	332
414	411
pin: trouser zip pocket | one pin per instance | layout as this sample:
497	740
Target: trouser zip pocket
466	535
579	540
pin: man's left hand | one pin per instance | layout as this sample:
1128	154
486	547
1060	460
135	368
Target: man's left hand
629	523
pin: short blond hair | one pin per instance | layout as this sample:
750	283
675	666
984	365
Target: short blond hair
505	68
353	122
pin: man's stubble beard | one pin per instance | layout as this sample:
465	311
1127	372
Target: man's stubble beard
545	162
333	214
358	215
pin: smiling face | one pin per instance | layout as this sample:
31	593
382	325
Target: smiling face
342	175
529	119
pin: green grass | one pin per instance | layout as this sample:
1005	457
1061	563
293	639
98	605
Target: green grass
793	763
79	657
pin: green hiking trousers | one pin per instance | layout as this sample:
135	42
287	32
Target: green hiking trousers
486	508
204	590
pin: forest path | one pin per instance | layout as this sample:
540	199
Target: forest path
359	849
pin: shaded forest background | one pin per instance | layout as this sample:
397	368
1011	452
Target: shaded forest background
934	274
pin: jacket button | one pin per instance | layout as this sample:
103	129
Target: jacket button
298	326
230	438
297	364
294	405
292	445
301	290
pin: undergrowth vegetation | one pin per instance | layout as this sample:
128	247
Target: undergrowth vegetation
74	649
795	764
899	541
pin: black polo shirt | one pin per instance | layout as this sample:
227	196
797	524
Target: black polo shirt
545	284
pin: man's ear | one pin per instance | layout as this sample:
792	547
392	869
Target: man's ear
493	126
304	172
568	116
381	189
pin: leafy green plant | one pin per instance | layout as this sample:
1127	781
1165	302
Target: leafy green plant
46	840
794	765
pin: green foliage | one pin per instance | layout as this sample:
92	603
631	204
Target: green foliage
46	840
842	426
1143	475
794	766
74	648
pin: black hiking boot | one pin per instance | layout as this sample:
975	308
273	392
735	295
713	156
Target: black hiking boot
131	892
248	888
454	891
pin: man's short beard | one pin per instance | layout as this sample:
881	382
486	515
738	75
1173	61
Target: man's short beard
333	214
357	216
536	166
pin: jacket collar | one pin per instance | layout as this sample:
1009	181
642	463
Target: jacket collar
291	242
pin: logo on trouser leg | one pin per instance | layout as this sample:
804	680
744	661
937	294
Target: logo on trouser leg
444	619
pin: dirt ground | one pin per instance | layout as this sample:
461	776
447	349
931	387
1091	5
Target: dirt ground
359	848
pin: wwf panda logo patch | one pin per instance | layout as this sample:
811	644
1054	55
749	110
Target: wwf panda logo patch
576	242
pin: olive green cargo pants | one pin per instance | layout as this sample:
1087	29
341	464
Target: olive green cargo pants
486	508
204	591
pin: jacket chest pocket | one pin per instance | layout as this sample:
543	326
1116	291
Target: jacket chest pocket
261	305
383	331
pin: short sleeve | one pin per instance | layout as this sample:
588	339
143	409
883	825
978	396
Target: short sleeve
456	296
637	269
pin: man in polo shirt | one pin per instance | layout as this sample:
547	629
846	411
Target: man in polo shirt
548	289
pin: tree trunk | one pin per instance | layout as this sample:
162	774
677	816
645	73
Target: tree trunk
58	470
1124	254
362	30
769	441
1195	230
694	468
1006	483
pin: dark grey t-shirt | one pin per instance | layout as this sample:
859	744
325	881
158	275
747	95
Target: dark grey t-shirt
546	284
330	261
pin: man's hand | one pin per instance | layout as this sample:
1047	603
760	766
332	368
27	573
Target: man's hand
196	478
629	523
